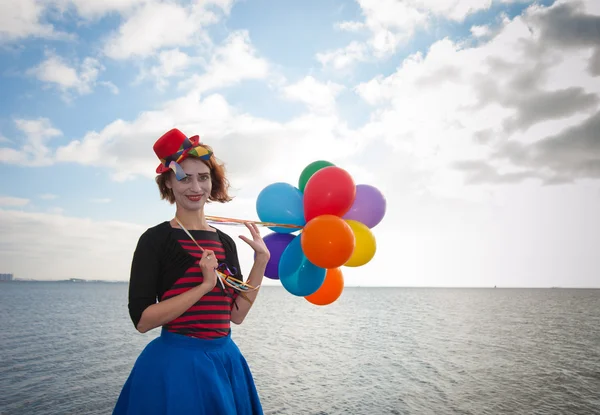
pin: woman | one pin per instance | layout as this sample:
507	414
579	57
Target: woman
193	367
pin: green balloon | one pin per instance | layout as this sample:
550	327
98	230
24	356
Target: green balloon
311	169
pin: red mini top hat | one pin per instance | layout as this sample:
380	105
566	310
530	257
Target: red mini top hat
174	147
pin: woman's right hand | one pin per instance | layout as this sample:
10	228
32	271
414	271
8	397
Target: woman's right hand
208	265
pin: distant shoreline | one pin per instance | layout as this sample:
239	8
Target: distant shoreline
72	280
81	280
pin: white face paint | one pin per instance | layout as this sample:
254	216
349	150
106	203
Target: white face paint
192	192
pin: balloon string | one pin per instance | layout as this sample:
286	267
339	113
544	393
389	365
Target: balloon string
218	219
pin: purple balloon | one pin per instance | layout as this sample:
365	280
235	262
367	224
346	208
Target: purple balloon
276	242
369	206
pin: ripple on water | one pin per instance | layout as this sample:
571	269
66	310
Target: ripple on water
375	351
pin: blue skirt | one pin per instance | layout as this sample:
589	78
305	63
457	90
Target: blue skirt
177	374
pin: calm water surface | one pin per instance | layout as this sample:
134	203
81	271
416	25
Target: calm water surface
67	348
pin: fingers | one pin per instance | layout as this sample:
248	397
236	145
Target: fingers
207	255
253	228
209	258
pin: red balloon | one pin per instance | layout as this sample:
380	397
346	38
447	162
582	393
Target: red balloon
330	191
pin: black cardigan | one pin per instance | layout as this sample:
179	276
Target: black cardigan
159	261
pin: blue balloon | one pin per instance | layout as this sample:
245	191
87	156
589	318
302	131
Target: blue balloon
281	203
297	274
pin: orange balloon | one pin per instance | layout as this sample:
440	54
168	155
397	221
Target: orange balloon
330	290
327	241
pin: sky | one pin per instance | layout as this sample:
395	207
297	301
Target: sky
478	119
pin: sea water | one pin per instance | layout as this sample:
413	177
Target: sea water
67	348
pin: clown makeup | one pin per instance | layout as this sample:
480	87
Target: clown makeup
191	192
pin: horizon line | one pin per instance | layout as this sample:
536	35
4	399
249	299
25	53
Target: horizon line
347	286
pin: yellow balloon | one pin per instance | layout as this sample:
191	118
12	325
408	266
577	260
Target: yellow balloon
365	245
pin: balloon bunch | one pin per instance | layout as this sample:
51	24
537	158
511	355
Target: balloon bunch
334	218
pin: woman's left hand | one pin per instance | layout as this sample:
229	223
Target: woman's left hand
256	243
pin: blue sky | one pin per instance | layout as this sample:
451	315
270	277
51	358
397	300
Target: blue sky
275	85
287	33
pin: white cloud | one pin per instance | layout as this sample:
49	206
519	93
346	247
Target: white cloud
344	57
112	87
120	145
224	5
350	26
480	31
23	18
97	9
155	26
456	10
170	63
318	96
391	23
230	63
80	78
388	22
86	249
11	156
435	105
48	196
590	6
20	19
37	129
34	150
162	25
124	146
13	201
213	67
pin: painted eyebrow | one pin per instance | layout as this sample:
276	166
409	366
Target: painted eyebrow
202	175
